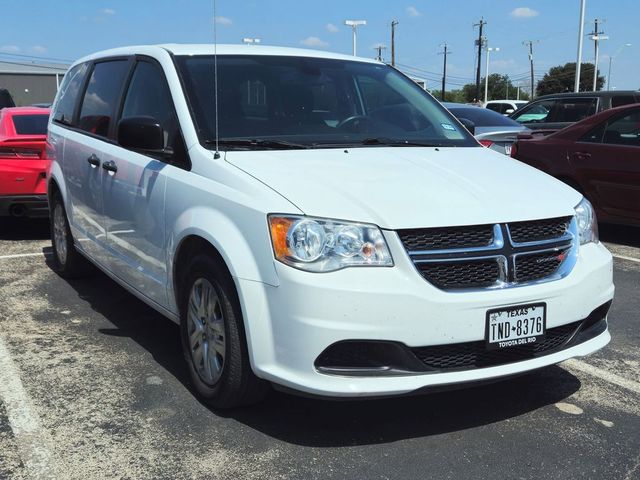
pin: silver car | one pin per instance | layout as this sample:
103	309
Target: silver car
491	129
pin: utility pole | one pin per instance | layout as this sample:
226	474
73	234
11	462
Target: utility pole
379	49
480	43
596	36
576	87
393	42
530	44
444	52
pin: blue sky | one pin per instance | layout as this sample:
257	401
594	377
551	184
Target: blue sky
68	29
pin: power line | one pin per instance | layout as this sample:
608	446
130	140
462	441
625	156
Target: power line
54	60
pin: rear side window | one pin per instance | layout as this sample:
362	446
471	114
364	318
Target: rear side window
103	91
574	109
30	124
618	101
68	95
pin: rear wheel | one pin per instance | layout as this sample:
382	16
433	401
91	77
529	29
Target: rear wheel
213	338
68	262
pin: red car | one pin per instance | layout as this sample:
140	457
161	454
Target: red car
598	156
23	161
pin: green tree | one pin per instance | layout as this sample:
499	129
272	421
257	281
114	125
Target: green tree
450	95
500	87
562	79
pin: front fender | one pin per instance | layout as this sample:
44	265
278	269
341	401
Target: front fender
242	241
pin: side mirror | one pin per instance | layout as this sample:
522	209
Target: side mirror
469	125
509	111
141	133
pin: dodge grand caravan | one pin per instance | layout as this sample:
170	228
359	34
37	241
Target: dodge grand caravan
317	222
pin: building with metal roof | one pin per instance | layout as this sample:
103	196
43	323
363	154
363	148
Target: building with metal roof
31	82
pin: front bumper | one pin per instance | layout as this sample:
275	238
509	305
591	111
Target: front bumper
24	206
289	326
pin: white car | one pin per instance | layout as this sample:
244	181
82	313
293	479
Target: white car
317	222
505	107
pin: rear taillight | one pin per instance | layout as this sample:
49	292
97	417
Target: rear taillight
20	153
514	150
486	143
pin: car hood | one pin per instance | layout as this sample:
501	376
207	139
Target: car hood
406	187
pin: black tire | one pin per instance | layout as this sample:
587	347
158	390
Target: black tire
236	384
67	261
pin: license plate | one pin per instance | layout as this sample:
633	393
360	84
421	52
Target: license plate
507	149
517	325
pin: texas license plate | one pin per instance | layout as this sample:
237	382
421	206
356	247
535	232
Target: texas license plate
517	325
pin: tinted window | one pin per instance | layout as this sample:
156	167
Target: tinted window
496	107
31	124
149	96
536	112
624	130
618	101
98	105
483	117
68	94
5	99
574	109
312	101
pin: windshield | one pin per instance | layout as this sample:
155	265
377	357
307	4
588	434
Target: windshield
299	102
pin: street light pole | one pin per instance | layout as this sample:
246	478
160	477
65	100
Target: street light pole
486	73
576	87
611	59
597	36
354	24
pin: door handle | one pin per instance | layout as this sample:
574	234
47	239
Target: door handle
93	160
582	155
110	166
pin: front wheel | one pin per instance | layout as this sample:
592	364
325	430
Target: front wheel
213	338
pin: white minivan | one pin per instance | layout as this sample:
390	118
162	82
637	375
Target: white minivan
317	222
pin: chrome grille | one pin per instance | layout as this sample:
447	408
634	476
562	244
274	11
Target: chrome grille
493	256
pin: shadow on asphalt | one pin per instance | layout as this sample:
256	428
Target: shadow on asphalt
325	423
24	228
620	234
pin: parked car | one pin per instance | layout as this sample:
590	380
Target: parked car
556	111
328	228
6	100
23	162
599	157
491	129
505	107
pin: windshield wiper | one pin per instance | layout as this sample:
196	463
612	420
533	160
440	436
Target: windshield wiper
258	144
396	142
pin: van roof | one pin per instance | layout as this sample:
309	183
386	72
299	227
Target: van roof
224	49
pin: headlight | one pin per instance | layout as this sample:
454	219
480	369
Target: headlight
587	222
323	245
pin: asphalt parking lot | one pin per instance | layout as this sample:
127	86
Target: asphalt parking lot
92	385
